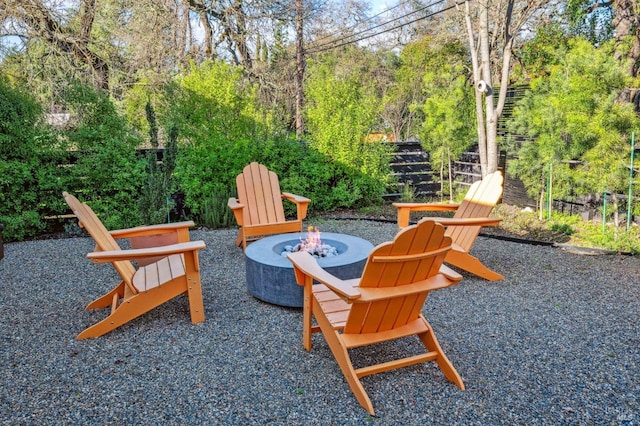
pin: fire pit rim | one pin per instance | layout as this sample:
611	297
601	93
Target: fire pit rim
347	245
269	275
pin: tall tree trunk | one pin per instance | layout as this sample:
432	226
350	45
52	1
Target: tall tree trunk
490	124
482	136
488	114
299	71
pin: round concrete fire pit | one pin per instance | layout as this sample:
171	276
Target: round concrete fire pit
270	275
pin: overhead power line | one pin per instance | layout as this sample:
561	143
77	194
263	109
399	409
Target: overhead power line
353	38
359	23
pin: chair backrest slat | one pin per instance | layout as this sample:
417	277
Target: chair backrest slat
411	243
103	239
479	201
259	189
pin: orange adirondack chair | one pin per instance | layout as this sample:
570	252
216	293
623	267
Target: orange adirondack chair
384	304
174	270
471	215
259	210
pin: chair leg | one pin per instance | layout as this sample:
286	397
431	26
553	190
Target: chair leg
124	313
403	217
132	307
471	264
307	313
240	241
194	293
107	299
341	354
430	342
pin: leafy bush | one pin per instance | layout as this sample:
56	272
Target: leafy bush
29	176
215	212
222	129
218	119
107	173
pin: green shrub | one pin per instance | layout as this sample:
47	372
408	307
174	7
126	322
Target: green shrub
562	228
215	212
107	174
29	155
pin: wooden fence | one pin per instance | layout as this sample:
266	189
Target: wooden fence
411	167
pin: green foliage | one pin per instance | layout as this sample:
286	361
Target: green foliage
562	228
342	107
590	234
218	120
29	175
154	201
573	115
222	129
107	172
215	213
544	51
448	128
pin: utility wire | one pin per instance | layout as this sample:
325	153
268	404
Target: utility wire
329	46
383	12
321	45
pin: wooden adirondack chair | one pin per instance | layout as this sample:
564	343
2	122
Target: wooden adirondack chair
384	304
258	209
469	218
174	271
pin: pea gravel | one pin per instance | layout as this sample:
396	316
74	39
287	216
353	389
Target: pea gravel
556	342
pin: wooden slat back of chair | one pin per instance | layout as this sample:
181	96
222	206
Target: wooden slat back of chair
422	248
259	191
481	198
103	239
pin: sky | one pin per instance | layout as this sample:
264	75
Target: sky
380	5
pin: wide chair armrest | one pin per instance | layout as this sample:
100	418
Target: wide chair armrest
405	209
295	198
307	265
133	254
450	273
148	230
435	282
414	207
467	221
234	204
238	209
301	202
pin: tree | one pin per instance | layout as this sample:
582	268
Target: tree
580	133
67	34
491	44
342	107
618	20
447	130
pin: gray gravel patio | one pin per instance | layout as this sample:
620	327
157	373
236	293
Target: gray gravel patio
556	342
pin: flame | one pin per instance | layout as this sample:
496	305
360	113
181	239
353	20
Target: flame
313	242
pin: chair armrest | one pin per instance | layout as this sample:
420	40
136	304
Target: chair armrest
436	282
295	198
238	210
415	207
162	251
450	273
234	204
467	221
302	203
308	265
146	230
405	209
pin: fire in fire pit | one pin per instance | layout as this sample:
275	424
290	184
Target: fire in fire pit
312	244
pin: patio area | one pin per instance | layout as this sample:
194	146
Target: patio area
556	342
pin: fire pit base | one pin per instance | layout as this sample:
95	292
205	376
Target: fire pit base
270	275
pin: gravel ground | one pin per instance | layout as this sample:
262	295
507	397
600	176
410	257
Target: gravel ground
556	342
